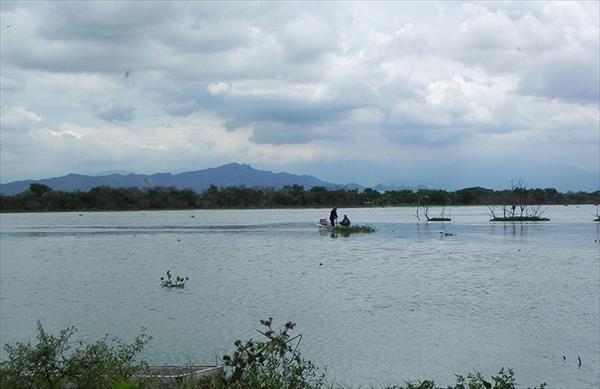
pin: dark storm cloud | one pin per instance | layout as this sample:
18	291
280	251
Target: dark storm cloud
295	113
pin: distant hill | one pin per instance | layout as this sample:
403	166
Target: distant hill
233	174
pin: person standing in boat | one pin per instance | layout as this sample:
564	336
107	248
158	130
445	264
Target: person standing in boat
345	222
333	216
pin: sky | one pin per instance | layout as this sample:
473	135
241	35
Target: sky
443	94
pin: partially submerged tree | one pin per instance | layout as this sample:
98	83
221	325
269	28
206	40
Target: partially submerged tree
517	205
425	210
424	207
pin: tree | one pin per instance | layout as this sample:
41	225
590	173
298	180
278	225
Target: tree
39	189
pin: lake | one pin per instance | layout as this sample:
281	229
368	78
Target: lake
403	303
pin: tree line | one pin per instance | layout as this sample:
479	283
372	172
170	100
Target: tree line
40	197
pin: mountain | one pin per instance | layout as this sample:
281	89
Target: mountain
233	174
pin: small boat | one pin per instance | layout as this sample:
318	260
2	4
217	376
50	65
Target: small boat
324	224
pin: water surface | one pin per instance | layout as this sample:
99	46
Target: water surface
401	304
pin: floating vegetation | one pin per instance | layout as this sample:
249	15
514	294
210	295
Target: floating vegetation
439	219
519	219
425	210
353	229
169	283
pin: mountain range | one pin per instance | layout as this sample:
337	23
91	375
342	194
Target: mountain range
232	174
235	174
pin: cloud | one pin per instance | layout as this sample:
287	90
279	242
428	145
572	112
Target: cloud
264	82
275	133
153	147
183	108
553	48
115	112
66	134
20	119
9	84
572	77
307	37
90	21
20	113
218	88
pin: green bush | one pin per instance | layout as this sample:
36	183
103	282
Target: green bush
504	380
56	362
274	363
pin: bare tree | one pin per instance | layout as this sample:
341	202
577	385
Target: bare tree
426	212
492	209
426	209
537	210
517	205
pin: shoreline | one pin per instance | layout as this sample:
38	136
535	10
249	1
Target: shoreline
271	208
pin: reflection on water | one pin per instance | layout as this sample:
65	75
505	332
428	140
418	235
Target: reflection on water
515	229
406	302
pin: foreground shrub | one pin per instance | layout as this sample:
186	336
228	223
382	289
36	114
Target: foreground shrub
504	380
56	362
274	363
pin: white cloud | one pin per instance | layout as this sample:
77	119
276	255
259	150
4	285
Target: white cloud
218	88
153	148
19	119
308	36
20	113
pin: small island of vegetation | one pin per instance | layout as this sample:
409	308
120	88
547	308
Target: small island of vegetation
518	206
426	209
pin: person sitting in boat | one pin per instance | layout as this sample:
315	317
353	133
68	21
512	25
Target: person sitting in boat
333	216
345	222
